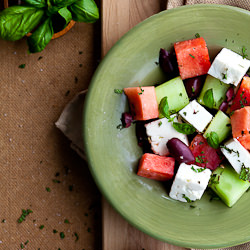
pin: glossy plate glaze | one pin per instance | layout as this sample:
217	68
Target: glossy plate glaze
113	155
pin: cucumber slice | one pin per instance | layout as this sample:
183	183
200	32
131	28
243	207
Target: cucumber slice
175	92
221	124
219	91
225	182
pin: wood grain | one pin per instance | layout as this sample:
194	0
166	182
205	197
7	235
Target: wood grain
119	16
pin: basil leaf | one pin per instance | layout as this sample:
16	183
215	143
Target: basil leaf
184	128
17	21
213	140
85	11
244	173
164	108
62	3
208	98
41	37
66	14
36	3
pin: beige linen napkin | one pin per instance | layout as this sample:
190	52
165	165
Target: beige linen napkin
71	118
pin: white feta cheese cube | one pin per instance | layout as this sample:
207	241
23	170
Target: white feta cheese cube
196	115
236	154
190	183
160	132
229	67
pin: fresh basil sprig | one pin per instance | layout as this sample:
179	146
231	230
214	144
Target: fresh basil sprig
208	98
66	14
17	21
84	11
184	128
41	37
164	108
36	3
213	140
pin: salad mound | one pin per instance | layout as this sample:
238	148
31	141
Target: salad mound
197	123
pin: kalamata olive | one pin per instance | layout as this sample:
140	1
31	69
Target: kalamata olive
193	86
168	63
142	137
126	119
230	94
223	107
180	151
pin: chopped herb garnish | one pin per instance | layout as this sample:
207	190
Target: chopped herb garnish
164	108
228	125
224	76
26	242
120	126
193	90
22	66
186	198
118	91
142	90
22	246
3	220
62	235
230	150
180	94
184	128
185	113
55	231
171	119
244	55
213	140
160	123
192	206
77	236
244	173
80	52
208	98
201	142
212	179
66	221
23	215
41	227
56	181
191	55
39	58
197	35
200	159
48	189
57	174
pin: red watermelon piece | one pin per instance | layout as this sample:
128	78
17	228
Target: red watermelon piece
156	167
192	57
205	156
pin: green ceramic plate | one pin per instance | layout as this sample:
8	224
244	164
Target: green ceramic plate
113	154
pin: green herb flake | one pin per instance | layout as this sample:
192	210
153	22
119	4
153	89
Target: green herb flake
212	179
224	76
186	198
184	128
191	55
41	227
22	66
55	231
164	108
24	214
22	246
142	90
56	181
66	221
194	169
213	140
193	90
48	189
244	173
39	58
118	91
229	150
208	98
180	94
3	220
160	123
77	236
192	206
185	113
197	35
26	242
62	235
244	55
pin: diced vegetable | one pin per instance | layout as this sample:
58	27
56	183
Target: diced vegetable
180	151
219	90
175	92
196	115
242	97
236	154
225	182
142	102
221	125
205	156
229	67
192	57
190	183
160	131
156	167
241	126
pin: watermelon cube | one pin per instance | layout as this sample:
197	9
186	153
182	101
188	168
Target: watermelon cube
240	121
156	167
143	103
242	97
192	57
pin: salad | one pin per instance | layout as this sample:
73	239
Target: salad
197	124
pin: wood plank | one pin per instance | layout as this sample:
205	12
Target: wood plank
118	16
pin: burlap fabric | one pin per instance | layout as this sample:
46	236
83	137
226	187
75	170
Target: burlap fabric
242	4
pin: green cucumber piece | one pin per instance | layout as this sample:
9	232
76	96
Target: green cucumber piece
225	182
219	91
175	92
221	124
